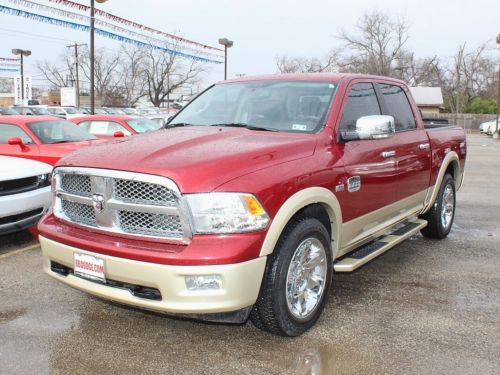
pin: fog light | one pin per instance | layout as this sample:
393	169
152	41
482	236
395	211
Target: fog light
203	282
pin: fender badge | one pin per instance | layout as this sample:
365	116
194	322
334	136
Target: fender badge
339	188
353	184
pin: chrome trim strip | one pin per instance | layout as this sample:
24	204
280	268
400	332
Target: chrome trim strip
116	204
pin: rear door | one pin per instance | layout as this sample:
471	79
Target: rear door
367	204
411	145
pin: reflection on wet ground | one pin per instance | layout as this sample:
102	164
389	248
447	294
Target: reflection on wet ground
424	307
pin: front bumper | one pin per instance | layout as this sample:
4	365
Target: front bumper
21	211
240	282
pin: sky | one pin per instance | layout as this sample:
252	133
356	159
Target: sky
262	30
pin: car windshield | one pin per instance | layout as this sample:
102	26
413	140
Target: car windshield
142	125
71	111
40	111
50	132
288	106
8	111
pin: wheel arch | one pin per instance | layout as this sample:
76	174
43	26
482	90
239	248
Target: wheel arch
298	202
451	165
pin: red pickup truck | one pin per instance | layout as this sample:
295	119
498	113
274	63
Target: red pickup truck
256	193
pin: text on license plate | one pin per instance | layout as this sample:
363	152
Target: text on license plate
89	267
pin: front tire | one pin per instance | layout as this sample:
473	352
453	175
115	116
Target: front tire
440	217
296	281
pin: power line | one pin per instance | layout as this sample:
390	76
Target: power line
34	36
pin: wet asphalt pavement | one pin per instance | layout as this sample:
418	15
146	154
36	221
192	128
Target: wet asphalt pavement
425	307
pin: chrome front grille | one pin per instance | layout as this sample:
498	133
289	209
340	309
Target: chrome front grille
79	213
125	203
143	193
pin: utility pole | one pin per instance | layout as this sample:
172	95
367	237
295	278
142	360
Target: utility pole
496	135
77	80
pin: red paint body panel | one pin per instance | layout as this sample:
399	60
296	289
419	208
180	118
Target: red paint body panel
47	153
272	166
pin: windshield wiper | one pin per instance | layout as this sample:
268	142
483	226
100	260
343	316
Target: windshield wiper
243	125
65	141
176	125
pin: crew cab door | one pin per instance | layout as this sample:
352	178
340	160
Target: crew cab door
369	162
413	154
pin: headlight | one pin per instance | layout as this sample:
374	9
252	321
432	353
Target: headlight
44	179
226	213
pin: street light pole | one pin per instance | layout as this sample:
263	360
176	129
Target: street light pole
92	53
227	44
22	53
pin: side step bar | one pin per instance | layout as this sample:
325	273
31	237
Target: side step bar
364	254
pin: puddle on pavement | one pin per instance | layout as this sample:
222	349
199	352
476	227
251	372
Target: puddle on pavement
10	315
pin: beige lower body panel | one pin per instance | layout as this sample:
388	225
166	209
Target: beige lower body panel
241	281
361	230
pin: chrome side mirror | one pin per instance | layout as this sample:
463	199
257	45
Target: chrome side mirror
371	127
375	127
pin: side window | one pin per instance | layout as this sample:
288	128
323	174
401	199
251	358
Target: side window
103	128
8	131
397	105
362	101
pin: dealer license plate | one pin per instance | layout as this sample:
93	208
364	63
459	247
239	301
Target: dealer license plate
89	267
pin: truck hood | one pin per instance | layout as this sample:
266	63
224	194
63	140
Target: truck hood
196	158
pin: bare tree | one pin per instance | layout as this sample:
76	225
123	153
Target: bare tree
132	70
471	74
376	45
286	64
107	78
6	85
167	72
59	75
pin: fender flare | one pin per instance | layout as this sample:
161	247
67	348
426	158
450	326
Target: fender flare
293	205
450	158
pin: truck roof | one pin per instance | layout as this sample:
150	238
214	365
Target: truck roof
321	77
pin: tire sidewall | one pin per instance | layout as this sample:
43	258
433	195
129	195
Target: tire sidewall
285	250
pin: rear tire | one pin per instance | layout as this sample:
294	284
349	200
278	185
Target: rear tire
440	217
296	280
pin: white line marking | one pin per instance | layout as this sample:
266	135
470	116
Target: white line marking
19	251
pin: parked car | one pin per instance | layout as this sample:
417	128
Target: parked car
110	126
260	190
32	110
130	111
6	111
24	193
42	138
160	119
148	111
488	127
66	113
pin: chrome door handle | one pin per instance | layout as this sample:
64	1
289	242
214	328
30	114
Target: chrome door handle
388	154
423	146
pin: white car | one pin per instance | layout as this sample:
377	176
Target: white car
488	127
24	193
66	112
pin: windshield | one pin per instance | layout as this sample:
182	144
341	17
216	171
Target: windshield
143	125
8	111
288	106
59	132
72	111
40	111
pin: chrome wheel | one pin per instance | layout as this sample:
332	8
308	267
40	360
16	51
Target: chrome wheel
447	206
305	281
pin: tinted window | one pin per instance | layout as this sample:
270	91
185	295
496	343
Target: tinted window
362	101
397	106
103	128
9	131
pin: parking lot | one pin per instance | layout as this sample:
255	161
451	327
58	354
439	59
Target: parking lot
424	307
